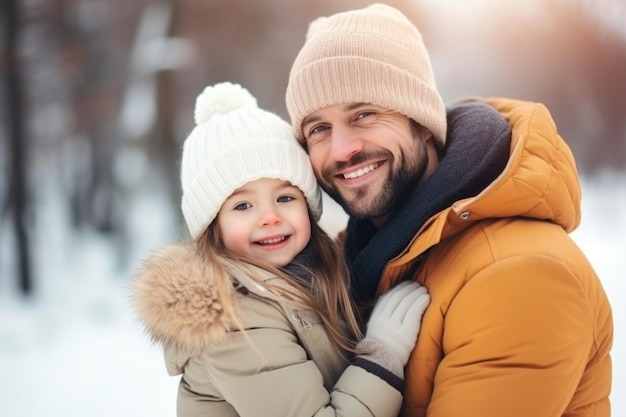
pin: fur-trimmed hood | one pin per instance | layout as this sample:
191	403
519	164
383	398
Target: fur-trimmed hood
176	299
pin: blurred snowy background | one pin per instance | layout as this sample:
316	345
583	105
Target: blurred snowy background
98	96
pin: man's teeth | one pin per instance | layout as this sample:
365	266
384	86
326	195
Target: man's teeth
272	241
359	172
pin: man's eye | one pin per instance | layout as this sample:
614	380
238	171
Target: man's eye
243	206
285	199
317	129
364	114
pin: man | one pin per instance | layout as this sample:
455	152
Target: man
474	203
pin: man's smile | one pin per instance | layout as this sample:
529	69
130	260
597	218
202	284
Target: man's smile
361	171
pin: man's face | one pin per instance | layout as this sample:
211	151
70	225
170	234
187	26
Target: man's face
367	158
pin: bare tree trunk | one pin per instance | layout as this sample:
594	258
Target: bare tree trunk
167	147
18	206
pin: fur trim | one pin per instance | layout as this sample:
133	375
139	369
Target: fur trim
176	298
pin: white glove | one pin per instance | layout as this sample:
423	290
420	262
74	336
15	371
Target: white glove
394	325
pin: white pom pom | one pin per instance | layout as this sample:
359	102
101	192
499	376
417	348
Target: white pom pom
220	99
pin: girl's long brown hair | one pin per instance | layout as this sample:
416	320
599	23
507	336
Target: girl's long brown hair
327	292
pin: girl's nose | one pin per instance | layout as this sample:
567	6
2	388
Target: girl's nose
270	218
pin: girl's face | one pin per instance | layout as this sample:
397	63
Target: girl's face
266	219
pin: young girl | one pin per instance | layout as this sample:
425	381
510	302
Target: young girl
255	312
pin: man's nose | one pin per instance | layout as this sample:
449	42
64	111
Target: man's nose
346	142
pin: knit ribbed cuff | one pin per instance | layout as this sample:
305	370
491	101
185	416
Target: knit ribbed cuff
383	373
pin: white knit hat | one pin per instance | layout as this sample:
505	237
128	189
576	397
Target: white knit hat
372	55
234	142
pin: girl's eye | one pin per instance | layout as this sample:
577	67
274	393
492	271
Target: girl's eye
243	206
285	199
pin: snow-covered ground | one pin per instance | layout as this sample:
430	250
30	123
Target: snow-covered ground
77	351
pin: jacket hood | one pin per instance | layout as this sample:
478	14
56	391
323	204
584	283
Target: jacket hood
176	300
540	180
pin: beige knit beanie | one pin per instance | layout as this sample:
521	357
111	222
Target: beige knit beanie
235	142
372	55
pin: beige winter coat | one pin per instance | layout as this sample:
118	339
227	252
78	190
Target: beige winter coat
282	365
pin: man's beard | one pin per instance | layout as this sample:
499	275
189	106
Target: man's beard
404	177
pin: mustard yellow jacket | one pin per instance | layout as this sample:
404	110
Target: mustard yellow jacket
519	324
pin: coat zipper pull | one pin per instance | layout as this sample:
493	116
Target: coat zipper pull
295	314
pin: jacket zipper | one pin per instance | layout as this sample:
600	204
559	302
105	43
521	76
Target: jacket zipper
295	314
